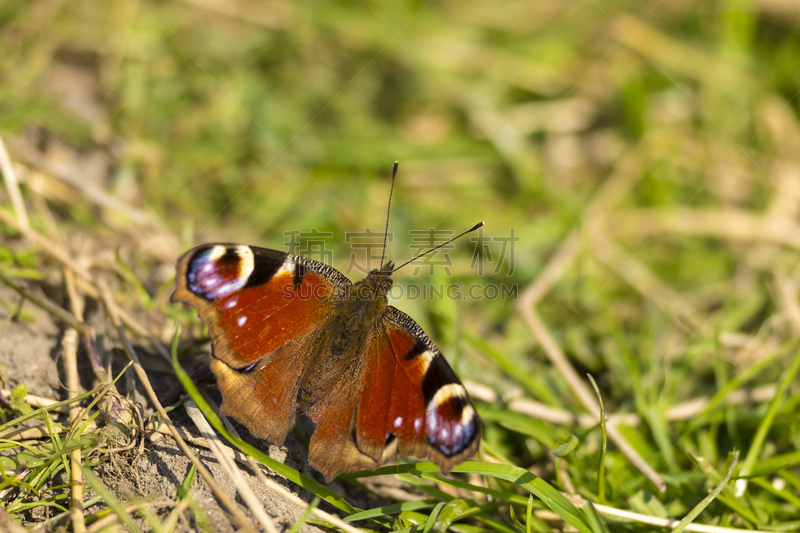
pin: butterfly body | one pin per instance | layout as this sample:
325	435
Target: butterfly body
293	335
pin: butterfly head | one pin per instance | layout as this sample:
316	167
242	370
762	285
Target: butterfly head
380	280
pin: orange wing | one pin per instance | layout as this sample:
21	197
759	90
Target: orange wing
409	402
265	310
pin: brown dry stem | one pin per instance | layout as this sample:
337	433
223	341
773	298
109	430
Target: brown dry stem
12	184
70	347
225	457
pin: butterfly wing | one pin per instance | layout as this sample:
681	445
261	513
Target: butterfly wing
265	311
404	399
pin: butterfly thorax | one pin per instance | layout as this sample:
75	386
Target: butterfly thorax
357	316
376	285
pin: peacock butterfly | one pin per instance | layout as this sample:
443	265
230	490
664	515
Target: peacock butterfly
293	335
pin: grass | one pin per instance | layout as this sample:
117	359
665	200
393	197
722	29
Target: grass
644	156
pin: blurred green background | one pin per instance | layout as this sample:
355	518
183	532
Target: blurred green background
241	120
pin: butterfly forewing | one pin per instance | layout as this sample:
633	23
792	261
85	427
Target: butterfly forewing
247	297
264	311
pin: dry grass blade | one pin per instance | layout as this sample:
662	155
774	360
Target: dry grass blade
785	294
61	314
111	519
172	520
682	411
12	184
611	192
327	517
664	522
70	346
49	247
64	172
225	457
38	401
728	224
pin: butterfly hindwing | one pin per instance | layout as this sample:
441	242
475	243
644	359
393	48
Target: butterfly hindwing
451	424
398	397
332	448
265	310
411	402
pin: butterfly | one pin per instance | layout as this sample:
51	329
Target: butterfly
293	335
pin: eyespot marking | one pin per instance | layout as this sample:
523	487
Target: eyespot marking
451	421
218	271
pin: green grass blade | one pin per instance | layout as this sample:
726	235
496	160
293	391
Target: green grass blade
432	517
601	470
787	378
390	509
705	502
305	516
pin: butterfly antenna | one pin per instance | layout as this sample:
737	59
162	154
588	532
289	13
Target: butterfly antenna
388	210
473	228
